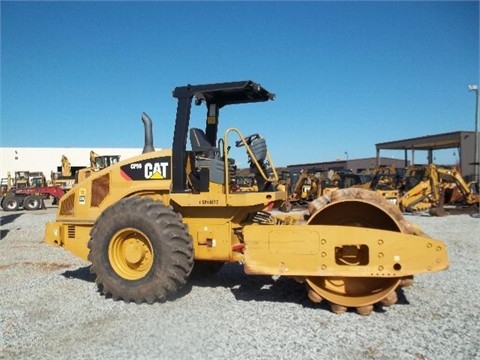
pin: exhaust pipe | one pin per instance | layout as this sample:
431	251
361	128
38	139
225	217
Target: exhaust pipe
147	122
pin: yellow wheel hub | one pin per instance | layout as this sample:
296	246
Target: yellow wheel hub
130	254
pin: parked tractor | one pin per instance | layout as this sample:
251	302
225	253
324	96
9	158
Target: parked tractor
97	163
431	187
28	192
145	221
64	177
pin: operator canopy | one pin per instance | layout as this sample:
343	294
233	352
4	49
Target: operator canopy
223	94
215	96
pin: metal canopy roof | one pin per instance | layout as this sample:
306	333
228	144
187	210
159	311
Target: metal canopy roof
229	93
429	142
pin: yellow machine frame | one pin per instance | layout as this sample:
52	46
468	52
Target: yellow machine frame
357	241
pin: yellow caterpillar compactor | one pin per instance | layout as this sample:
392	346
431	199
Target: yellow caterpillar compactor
144	222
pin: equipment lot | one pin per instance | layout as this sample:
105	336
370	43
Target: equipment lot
50	309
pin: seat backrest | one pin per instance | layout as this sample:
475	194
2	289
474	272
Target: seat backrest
200	143
259	149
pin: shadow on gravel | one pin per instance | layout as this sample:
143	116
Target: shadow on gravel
267	288
80	274
7	219
257	287
3	233
471	210
246	287
463	210
402	299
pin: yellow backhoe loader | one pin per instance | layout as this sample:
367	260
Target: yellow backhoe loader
461	192
6	184
64	176
145	221
97	163
427	190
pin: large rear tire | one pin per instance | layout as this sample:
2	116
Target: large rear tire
140	251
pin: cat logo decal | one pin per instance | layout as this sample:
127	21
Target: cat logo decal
150	169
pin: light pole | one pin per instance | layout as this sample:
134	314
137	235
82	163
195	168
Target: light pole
346	154
474	88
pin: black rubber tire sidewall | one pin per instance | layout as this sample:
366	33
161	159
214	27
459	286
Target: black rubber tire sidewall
26	203
9	199
171	243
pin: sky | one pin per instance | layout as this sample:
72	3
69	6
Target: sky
346	74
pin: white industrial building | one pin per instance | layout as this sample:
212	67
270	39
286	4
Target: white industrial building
46	160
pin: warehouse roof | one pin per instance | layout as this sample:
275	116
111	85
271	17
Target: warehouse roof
429	142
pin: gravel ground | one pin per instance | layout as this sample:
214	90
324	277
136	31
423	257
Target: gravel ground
50	309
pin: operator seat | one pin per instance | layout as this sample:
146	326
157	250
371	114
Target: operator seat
200	144
259	150
208	165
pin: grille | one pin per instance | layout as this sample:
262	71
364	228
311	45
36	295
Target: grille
71	231
100	189
67	205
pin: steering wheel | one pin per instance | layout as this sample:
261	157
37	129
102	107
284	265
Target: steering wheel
248	140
